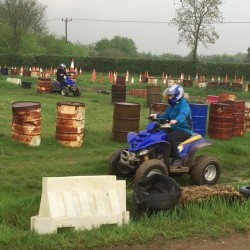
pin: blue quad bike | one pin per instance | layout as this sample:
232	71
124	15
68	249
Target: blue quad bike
64	88
148	153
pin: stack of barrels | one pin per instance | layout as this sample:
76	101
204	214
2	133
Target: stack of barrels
226	117
70	121
44	85
118	92
26	122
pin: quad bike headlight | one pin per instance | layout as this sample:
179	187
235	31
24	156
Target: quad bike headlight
143	152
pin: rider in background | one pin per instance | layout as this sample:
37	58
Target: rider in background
178	113
60	73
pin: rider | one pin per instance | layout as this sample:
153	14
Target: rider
178	113
60	73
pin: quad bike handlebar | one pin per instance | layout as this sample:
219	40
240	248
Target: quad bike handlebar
162	123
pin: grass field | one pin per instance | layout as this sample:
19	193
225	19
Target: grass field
22	168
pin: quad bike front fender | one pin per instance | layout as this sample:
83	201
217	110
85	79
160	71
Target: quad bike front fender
131	136
200	144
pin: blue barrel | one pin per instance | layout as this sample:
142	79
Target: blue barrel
199	117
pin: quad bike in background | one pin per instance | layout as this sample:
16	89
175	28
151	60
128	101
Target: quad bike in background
148	153
64	88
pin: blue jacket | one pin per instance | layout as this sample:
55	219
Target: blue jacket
180	112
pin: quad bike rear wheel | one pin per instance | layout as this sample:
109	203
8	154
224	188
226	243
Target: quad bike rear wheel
115	167
150	167
205	171
64	91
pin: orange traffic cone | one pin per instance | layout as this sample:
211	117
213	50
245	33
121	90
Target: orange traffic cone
111	77
226	78
100	79
93	77
72	66
127	76
21	71
115	76
132	80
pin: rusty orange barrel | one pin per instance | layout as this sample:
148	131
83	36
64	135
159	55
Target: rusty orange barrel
120	80
118	93
225	96
70	121
188	83
237	86
44	85
126	118
26	122
247	115
239	117
14	72
153	94
157	107
26	72
220	123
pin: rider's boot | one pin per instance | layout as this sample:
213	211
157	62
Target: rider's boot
176	163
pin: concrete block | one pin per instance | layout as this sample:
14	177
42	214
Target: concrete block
82	202
16	81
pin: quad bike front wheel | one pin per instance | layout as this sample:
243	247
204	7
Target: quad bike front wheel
115	167
77	92
150	167
64	91
205	171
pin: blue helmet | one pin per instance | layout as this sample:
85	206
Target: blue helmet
62	66
176	90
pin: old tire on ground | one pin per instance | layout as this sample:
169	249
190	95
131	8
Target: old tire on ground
115	167
245	190
150	167
26	85
156	192
205	171
65	91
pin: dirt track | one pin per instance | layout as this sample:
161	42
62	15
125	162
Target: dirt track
239	241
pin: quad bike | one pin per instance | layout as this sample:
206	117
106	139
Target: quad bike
64	88
148	153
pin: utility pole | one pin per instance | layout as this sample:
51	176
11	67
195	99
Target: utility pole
66	20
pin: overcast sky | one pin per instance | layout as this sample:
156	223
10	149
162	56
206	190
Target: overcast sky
157	38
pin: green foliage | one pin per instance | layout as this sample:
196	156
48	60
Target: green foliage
22	16
125	45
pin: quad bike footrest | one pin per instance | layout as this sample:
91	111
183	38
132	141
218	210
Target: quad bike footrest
179	170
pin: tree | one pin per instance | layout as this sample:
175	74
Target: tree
125	45
194	19
248	55
22	16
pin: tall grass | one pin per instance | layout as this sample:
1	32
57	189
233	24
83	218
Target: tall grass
22	168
